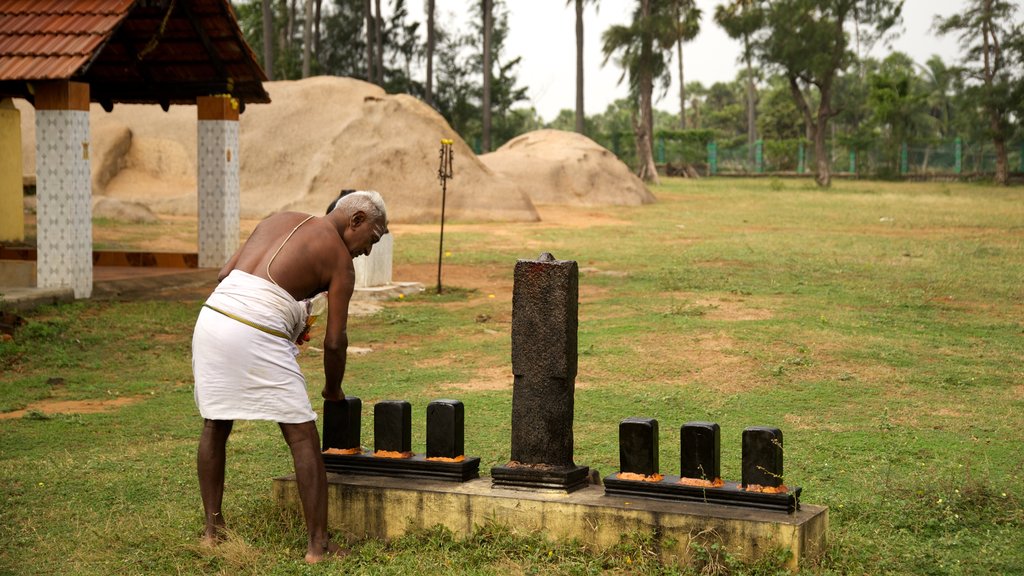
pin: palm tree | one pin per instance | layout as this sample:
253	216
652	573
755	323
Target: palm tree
485	136
685	27
307	38
429	96
740	19
638	59
580	117
368	13
378	35
268	39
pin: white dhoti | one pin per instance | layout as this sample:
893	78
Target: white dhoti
243	353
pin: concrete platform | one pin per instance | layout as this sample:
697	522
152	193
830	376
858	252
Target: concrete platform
380	507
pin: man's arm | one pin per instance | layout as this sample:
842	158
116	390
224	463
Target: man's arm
339	293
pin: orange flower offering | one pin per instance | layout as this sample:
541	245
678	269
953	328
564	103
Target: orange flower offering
780	489
702	483
343	451
392	454
458	458
639	477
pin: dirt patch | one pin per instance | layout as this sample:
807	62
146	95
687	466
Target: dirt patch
56	406
721	308
491	378
711	360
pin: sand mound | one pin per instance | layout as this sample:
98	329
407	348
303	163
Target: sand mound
323	134
567	168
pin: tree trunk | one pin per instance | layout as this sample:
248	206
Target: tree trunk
307	38
368	12
580	117
379	37
751	121
485	145
682	86
429	96
290	36
816	130
268	39
316	31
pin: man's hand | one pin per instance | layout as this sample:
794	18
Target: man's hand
333	395
304	337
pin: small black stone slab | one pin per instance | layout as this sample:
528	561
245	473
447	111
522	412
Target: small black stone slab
699	450
564	479
392	426
638	446
415	467
446	424
730	494
762	456
342	420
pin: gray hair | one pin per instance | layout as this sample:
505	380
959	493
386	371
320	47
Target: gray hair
368	201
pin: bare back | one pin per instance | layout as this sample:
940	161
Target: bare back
305	264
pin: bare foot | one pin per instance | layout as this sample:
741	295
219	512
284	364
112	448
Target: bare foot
330	551
212	537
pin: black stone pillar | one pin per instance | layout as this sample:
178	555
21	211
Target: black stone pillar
762	456
700	450
342	420
446	425
392	426
545	298
638	446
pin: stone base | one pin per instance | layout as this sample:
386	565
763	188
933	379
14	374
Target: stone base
568	479
729	494
415	467
362	507
388	291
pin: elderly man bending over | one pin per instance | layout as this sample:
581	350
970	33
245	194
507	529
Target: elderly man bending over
244	345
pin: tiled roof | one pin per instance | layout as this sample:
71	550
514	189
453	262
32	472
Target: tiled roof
52	39
138	51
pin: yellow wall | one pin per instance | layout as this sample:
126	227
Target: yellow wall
12	210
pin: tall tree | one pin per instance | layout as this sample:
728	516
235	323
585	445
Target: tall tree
488	20
307	38
370	41
428	97
685	25
741	19
642	64
580	114
268	39
378	36
807	41
988	37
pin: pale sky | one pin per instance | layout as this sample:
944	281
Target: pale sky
543	33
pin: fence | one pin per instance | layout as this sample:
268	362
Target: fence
947	158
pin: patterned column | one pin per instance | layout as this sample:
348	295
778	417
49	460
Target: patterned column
217	160
63	190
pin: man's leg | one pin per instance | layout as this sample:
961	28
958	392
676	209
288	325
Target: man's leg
210	464
311	477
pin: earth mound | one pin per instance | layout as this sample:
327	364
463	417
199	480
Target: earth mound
560	167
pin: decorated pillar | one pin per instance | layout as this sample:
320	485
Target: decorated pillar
63	189
12	211
217	162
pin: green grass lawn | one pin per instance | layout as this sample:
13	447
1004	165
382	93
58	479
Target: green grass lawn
879	325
